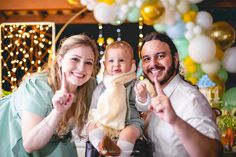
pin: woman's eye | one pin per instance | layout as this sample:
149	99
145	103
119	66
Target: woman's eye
75	59
89	63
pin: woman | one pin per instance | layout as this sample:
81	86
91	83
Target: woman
37	119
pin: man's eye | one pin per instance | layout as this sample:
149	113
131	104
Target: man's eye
161	56
145	59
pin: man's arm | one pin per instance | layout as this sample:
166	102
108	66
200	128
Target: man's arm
197	144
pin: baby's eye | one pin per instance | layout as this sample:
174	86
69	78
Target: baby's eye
121	60
111	61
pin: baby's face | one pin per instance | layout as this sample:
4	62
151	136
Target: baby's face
118	61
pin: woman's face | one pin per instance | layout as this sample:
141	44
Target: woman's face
77	65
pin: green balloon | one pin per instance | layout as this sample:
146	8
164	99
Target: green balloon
160	27
223	75
229	98
194	7
134	14
182	47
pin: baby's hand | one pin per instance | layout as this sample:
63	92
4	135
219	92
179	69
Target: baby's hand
141	91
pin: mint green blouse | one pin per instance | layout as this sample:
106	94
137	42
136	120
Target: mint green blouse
33	95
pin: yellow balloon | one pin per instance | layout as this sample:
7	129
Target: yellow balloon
192	79
109	2
189	16
188	61
109	40
151	12
223	33
73	2
192	69
100	41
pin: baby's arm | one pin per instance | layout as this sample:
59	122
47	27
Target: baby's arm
142	96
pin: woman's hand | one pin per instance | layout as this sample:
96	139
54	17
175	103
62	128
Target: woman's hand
62	99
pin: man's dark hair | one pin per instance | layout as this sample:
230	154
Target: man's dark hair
163	38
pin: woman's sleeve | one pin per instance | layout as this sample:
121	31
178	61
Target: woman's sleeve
36	96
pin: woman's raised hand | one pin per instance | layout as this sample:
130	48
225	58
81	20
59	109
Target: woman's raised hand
63	99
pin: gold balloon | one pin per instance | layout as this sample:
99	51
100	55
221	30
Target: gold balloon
73	2
223	33
219	84
151	12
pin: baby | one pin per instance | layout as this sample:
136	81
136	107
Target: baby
115	122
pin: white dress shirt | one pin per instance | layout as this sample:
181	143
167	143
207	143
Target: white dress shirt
191	106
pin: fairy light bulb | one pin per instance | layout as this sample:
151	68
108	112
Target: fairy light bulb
22	44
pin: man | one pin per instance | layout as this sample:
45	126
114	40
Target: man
181	123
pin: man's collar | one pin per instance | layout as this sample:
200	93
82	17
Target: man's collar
169	89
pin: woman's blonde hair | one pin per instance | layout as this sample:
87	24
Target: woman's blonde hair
79	110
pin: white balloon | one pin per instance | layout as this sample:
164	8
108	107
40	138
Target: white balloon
202	49
197	30
195	1
131	3
183	6
229	60
84	2
189	25
172	2
204	19
124	8
189	34
211	67
104	13
139	3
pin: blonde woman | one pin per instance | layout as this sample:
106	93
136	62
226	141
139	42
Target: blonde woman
37	119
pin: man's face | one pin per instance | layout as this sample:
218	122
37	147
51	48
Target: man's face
158	61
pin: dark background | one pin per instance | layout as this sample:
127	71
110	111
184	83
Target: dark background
129	33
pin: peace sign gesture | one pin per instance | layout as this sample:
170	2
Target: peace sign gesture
62	99
161	105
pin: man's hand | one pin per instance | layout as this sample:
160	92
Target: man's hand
161	105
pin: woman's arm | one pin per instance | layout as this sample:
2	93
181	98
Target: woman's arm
37	131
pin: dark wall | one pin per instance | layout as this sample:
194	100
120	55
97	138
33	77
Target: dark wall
129	33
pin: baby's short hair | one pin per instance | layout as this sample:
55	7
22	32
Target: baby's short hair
122	45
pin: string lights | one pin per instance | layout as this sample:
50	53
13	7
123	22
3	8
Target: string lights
25	48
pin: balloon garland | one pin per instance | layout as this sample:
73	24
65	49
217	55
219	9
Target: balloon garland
204	46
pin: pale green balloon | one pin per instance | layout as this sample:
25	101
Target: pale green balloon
133	15
182	47
229	98
223	75
160	27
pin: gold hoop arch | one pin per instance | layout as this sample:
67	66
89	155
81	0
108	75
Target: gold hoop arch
68	22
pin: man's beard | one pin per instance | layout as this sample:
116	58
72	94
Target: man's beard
169	73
